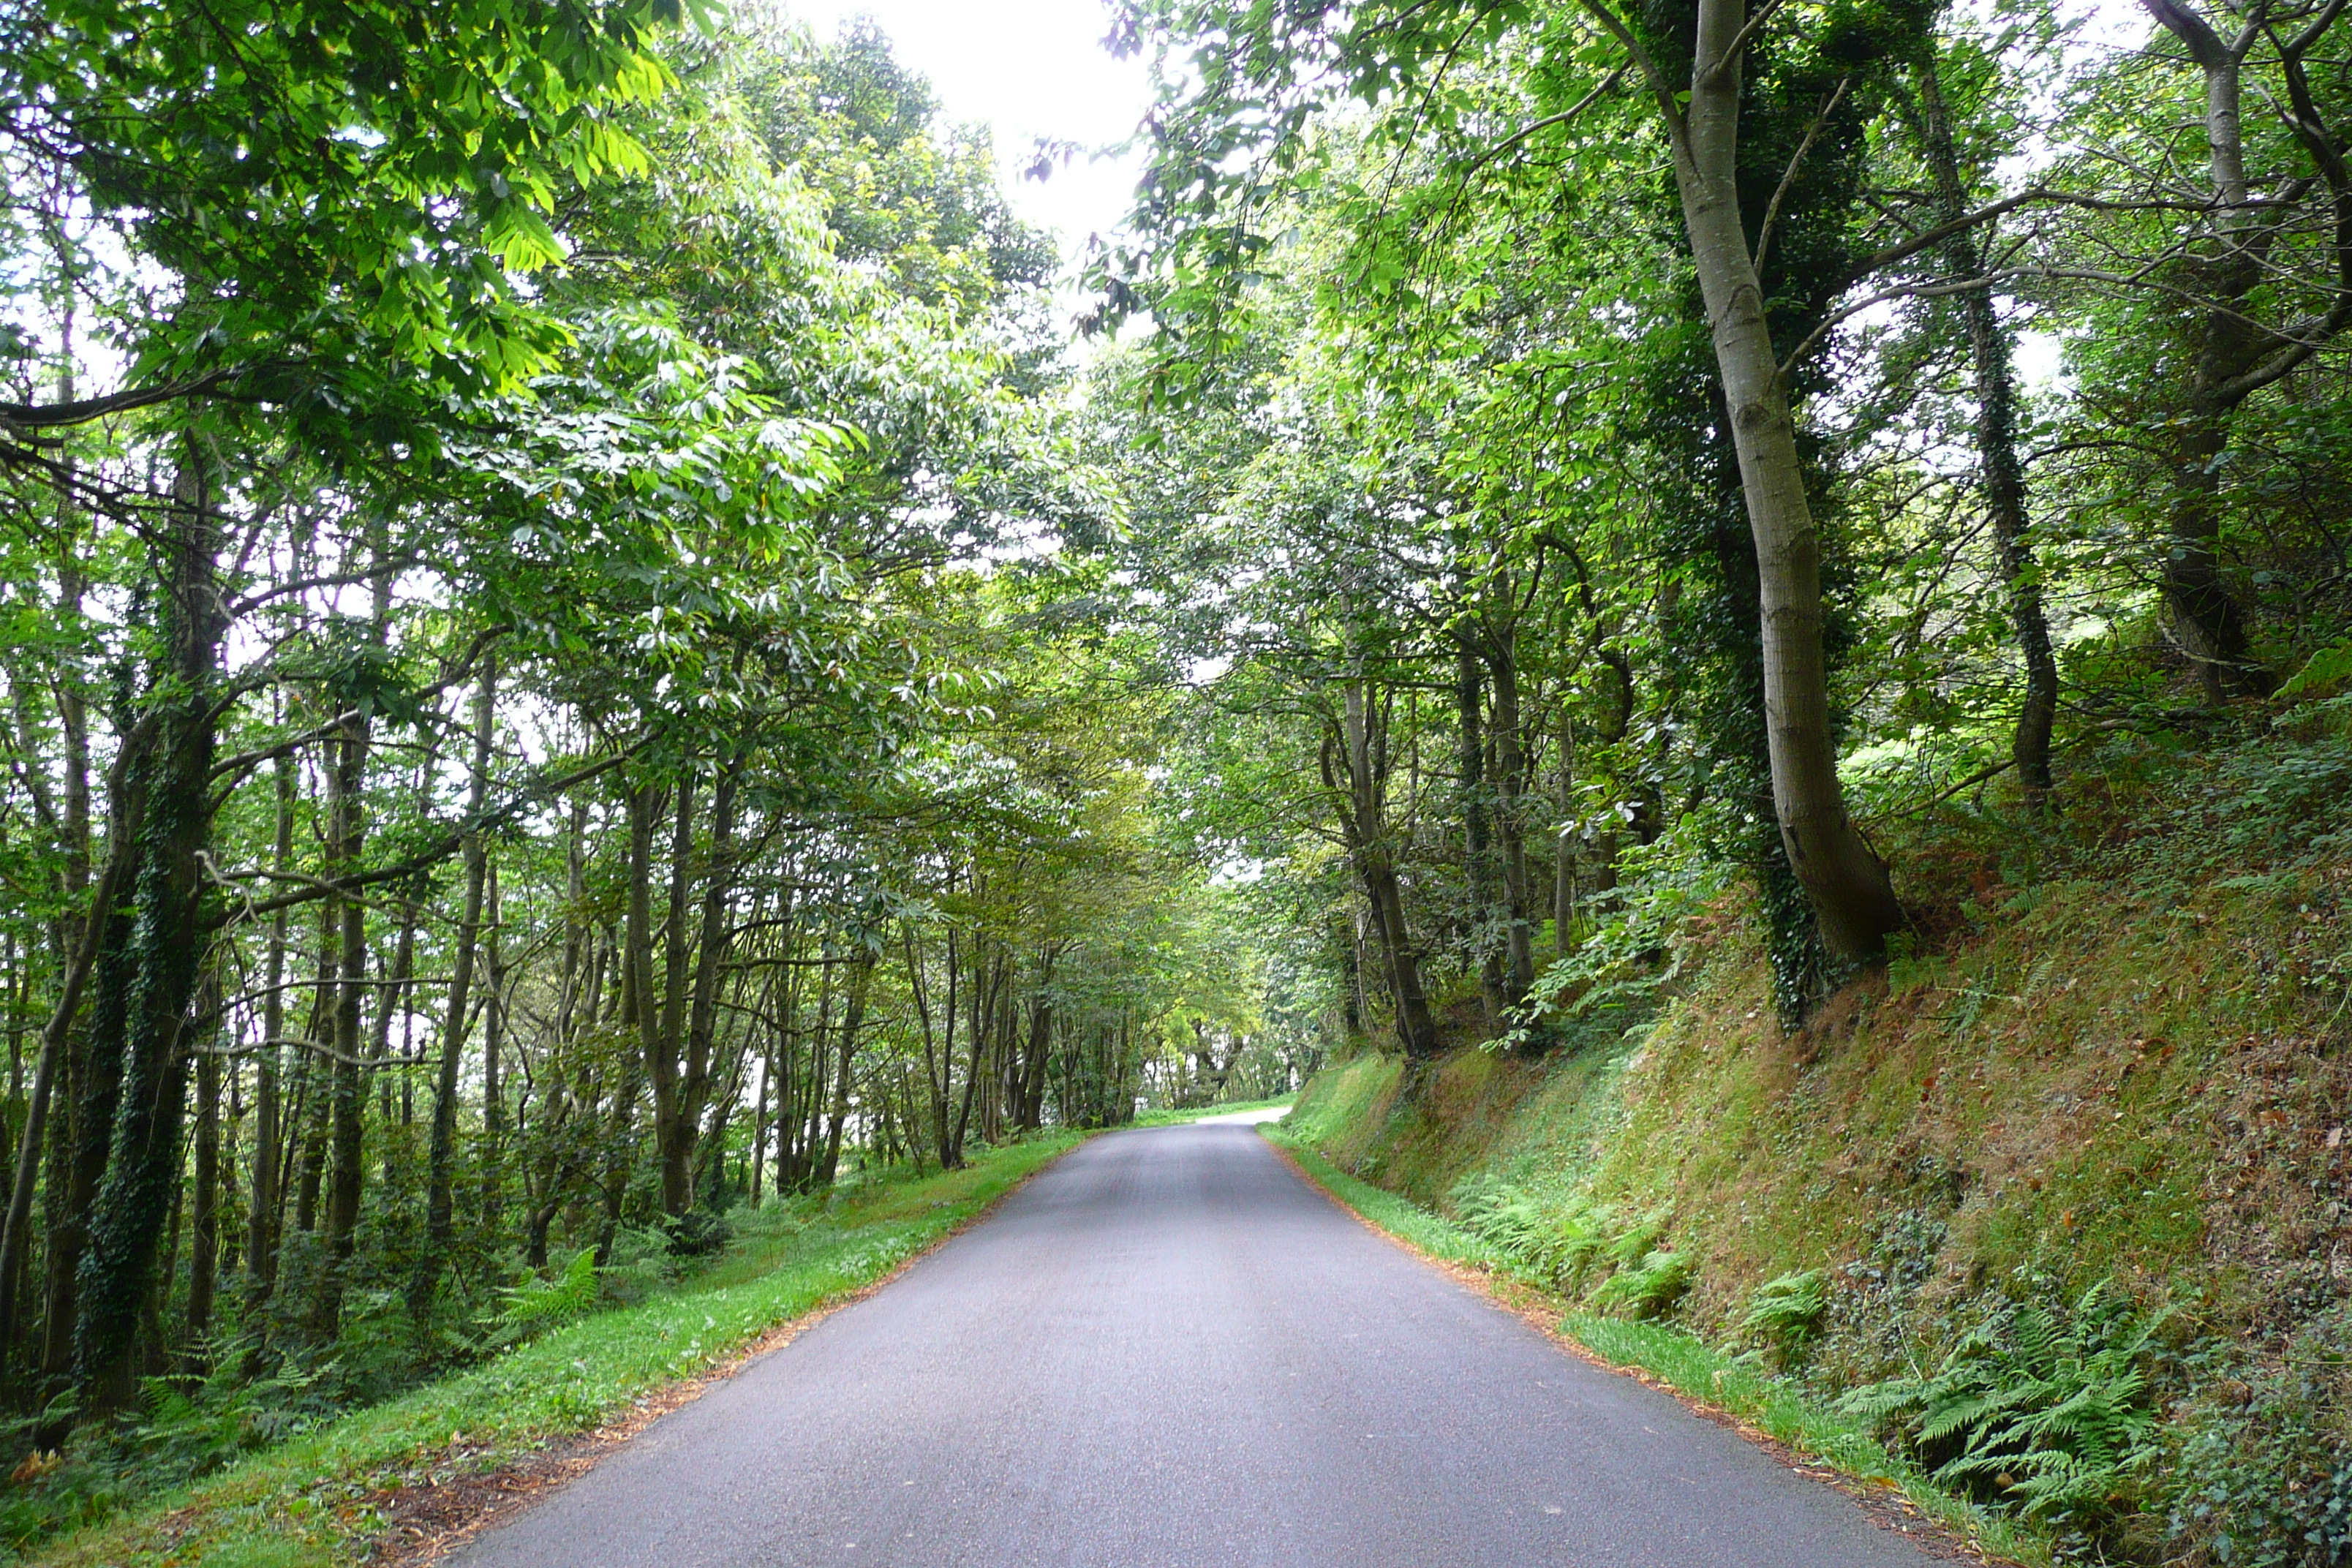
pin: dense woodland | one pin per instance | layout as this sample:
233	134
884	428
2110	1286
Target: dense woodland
540	706
588	647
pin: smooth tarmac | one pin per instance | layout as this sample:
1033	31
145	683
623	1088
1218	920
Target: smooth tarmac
1169	1351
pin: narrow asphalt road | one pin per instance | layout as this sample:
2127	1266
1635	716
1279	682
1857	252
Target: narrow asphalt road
1169	1351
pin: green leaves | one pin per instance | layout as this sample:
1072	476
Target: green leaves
2051	1410
326	174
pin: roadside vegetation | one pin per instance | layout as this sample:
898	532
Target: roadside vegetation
1730	629
235	1472
557	704
2048	1206
1725	1378
1778	590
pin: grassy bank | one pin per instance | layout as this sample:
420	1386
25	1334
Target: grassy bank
316	1500
2106	1085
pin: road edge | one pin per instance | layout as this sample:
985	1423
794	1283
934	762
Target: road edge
434	1517
1885	1503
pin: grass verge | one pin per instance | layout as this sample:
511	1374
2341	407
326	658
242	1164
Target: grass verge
316	1500
1680	1361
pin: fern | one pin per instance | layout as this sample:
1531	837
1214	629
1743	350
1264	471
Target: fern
1631	1246
1566	1242
1557	1242
2051	1413
1649	1289
537	1305
1785	1314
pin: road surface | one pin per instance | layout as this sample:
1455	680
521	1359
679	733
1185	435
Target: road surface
1169	1351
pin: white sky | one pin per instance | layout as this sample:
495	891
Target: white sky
1027	69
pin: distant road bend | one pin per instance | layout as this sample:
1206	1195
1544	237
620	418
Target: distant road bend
1168	1350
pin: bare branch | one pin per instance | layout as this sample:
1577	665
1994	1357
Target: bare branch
1731	51
1772	209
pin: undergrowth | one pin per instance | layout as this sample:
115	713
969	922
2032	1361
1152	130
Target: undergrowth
2115	1046
2048	1410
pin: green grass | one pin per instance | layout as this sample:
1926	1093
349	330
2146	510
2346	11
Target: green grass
1178	1118
1433	1235
310	1502
1687	1364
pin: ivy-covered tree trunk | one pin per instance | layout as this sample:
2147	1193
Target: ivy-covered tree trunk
1845	880
164	955
1998	471
93	1066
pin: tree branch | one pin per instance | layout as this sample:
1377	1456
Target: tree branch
1772	209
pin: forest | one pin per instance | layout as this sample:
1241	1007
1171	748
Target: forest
594	644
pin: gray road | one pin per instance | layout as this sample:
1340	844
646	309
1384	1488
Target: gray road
1169	1351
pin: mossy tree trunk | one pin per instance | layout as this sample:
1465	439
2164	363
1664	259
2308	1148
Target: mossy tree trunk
164	956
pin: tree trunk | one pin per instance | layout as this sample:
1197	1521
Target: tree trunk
345	1105
494	1104
1563	849
441	1162
56	1043
203	1255
1364	825
116	1278
1510	814
2206	615
2002	475
674	1128
317	1063
261	1217
1476	832
1845	882
693	1090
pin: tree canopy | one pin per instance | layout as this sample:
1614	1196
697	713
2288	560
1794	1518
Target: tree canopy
585	649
